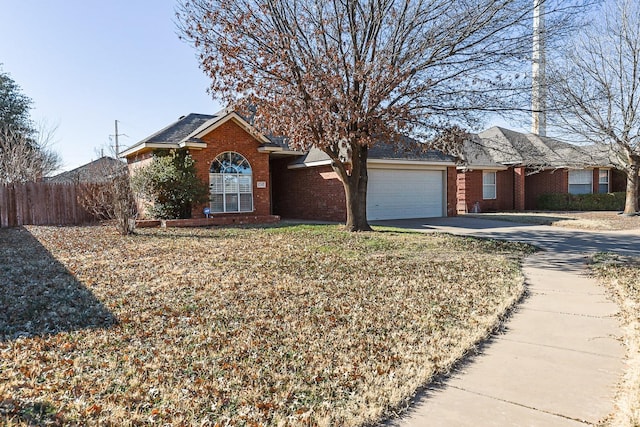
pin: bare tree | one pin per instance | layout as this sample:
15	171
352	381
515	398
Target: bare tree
342	75
105	192
595	90
25	158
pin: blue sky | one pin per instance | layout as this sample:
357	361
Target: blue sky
87	63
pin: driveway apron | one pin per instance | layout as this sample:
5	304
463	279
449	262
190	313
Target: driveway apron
558	358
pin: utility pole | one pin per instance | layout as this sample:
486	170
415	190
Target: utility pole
117	146
116	136
539	87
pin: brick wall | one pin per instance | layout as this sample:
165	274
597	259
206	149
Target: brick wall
556	181
311	193
231	137
617	181
317	193
519	193
595	184
452	187
469	191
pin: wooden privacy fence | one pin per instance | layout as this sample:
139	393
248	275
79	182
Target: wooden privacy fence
41	203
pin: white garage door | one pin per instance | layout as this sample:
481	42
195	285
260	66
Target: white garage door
397	194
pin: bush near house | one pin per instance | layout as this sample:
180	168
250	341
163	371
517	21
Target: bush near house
582	202
170	183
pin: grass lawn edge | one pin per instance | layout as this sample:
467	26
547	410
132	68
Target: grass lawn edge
618	275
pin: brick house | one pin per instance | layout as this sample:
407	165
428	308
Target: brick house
504	170
95	172
252	175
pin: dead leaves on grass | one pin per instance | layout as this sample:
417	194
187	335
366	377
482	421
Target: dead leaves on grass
282	326
621	275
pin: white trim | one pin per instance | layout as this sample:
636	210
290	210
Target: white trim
582	173
406	193
310	164
159	145
224	193
385	164
146	145
193	144
481	167
445	194
210	125
608	183
493	186
408	164
292	152
280	150
270	149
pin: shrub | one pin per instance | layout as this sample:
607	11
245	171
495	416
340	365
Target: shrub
170	183
582	202
111	199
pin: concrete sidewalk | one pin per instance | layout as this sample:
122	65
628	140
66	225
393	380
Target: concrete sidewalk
556	363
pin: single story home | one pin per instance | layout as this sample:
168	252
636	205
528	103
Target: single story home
95	172
504	170
252	174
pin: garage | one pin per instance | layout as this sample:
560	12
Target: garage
405	193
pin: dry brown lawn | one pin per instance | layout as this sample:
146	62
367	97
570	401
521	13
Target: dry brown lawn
603	221
304	325
622	278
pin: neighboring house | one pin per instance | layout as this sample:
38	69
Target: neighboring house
507	170
96	172
251	174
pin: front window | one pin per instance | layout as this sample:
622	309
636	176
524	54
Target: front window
580	181
231	183
603	181
488	185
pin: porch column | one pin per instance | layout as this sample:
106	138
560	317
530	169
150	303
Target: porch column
518	188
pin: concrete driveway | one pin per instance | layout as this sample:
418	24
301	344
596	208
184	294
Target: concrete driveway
556	239
557	360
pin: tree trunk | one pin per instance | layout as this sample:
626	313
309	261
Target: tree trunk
355	190
631	202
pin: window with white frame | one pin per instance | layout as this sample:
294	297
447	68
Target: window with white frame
603	181
231	183
581	181
488	185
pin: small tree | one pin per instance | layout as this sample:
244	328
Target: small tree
109	195
170	184
124	205
595	90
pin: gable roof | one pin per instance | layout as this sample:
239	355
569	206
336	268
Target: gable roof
497	146
188	130
179	130
95	172
410	150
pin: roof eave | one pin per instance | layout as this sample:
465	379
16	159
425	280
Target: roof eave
310	164
193	145
409	162
216	122
468	167
269	149
146	146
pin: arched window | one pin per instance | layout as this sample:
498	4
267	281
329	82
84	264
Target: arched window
231	184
